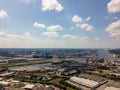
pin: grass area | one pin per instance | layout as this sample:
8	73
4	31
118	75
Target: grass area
34	59
55	80
112	80
107	76
28	63
69	88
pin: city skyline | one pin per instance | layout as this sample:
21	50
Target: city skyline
59	24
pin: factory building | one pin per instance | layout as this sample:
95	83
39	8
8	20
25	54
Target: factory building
85	82
111	88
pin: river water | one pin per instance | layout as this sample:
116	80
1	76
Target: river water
28	66
105	54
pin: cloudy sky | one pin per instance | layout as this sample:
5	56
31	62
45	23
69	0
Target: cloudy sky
59	23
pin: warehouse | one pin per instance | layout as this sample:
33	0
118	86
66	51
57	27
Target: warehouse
84	82
4	83
111	88
28	86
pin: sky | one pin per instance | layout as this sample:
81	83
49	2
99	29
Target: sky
59	23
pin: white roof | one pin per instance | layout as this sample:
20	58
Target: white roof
112	88
83	81
4	83
1	78
29	86
14	81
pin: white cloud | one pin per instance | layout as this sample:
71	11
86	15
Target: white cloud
112	17
76	19
85	26
55	28
96	39
3	14
114	29
67	36
88	18
38	25
70	36
84	38
10	40
75	37
51	5
113	6
28	1
72	28
9	36
50	28
27	34
2	33
50	34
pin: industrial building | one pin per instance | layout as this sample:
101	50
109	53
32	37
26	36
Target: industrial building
84	82
4	83
28	86
111	88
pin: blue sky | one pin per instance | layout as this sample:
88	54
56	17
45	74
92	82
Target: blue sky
60	23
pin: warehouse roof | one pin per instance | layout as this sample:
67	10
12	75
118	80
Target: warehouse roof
112	88
29	86
4	82
85	82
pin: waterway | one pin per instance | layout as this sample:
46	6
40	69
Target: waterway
104	53
32	67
